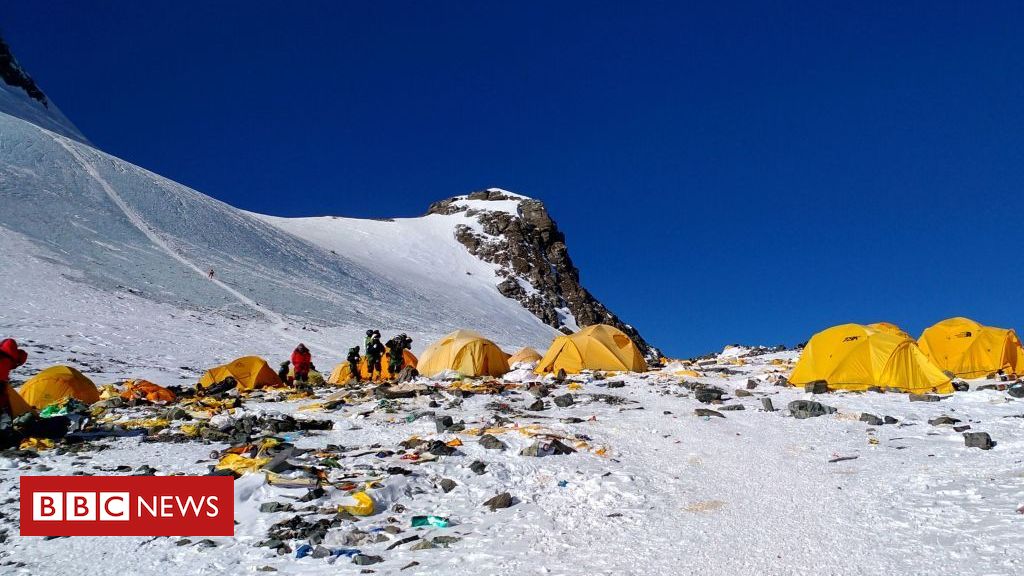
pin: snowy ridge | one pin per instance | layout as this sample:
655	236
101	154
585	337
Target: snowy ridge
21	98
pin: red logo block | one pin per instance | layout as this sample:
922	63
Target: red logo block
127	506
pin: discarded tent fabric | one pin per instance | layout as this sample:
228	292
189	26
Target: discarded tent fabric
57	383
465	352
971	350
598	347
857	357
250	372
146	390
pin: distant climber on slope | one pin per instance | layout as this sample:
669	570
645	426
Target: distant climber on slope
374	352
10	358
353	362
302	360
210	274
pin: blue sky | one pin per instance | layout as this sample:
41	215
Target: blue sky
729	173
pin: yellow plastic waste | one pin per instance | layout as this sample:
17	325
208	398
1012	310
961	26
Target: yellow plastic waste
575	386
454	443
158	423
241	464
108	391
36	444
362	507
690	373
191	430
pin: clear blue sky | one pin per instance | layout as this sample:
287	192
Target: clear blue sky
727	173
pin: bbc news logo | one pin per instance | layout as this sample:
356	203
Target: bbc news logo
127	506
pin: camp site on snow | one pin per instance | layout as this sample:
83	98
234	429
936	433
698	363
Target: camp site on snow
511	289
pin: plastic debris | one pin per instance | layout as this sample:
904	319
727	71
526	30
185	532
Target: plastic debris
435	521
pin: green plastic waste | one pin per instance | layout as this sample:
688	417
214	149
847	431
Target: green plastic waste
435	521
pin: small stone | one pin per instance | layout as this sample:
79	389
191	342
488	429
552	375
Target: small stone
478	467
733	407
963	428
503	500
871	419
183	542
978	440
941	420
443	423
807	409
206	543
366	560
490	442
890	420
766	403
410	565
423	545
924	398
702	412
616	384
266	569
961	386
751	383
877	389
816	387
447	485
536	406
445	540
564	400
1017	390
708	394
742	393
320	552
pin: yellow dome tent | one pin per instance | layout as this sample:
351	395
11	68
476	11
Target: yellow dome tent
970	350
57	383
342	374
889	328
856	357
525	355
250	372
465	352
597	347
16	402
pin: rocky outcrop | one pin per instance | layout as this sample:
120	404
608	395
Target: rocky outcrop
524	242
13	75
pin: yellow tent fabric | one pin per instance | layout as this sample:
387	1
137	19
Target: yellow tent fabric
856	357
16	402
465	352
57	383
971	350
342	374
525	355
889	328
250	372
597	347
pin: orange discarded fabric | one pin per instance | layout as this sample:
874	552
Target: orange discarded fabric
146	390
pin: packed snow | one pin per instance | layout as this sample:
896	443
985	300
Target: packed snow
652	487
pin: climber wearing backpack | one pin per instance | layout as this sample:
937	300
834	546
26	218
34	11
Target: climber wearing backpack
302	360
396	353
353	362
374	352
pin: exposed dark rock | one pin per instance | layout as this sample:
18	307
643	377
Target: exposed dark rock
13	75
924	398
447	485
807	409
816	387
503	500
491	442
978	440
871	419
564	400
941	420
708	412
528	247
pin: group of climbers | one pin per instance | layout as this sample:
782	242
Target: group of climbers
302	360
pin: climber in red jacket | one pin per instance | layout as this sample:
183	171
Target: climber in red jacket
10	358
302	360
